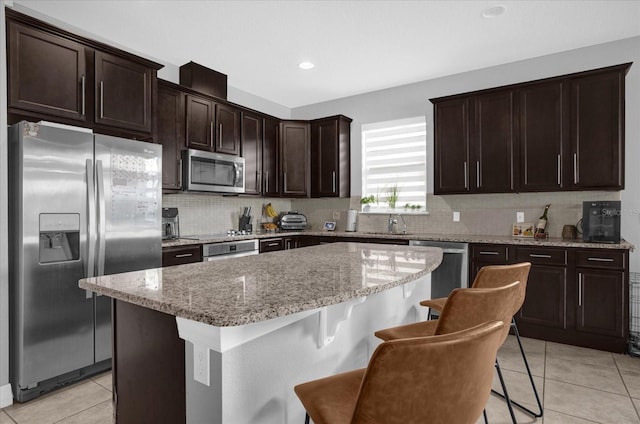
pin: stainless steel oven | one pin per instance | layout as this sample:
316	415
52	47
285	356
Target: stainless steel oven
229	249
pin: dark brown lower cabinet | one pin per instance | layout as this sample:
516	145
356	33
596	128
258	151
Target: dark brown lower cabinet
574	296
180	255
148	366
546	298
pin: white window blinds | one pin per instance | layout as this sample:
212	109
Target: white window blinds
394	156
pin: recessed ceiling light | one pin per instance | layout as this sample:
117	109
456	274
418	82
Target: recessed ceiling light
494	11
306	65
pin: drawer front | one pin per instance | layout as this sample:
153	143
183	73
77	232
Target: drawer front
490	253
271	245
181	255
601	258
542	256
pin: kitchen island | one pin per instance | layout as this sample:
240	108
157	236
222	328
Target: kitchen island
244	331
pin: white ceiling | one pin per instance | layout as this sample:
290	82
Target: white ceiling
357	46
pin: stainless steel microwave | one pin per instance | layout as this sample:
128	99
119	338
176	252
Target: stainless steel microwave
214	172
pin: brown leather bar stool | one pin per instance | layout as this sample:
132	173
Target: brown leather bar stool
495	276
466	308
440	379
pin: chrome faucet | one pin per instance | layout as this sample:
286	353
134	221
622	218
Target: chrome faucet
393	221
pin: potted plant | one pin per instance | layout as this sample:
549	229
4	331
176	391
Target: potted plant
366	202
393	193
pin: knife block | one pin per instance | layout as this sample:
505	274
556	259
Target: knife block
244	223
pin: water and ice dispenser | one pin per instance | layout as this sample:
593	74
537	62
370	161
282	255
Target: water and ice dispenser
59	237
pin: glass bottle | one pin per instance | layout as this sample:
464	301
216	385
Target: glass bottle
541	226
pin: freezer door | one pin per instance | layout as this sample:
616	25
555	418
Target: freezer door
129	199
51	317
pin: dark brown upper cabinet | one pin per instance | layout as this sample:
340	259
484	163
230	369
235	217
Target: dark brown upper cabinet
544	135
597	130
294	158
170	133
270	158
199	123
451	147
556	134
330	144
122	92
492	138
227	129
252	152
59	76
46	73
474	144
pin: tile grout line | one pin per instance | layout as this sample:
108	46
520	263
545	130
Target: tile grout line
9	416
79	412
636	408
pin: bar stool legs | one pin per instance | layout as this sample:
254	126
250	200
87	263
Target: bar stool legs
533	384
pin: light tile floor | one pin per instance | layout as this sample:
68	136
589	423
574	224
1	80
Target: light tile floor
577	386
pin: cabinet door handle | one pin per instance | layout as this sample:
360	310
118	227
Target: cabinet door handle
333	179
180	172
575	168
83	85
536	255
600	259
220	139
284	180
466	174
184	255
273	244
559	172
101	99
489	253
211	130
266	181
579	289
478	183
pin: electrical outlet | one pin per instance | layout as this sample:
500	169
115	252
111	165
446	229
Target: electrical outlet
519	216
336	215
456	216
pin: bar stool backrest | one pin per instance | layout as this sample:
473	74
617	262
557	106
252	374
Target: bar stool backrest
466	308
436	379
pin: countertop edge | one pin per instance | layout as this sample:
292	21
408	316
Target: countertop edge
460	238
221	320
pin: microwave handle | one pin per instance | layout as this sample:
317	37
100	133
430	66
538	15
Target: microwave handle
236	173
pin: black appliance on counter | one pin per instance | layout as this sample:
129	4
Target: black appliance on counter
170	224
601	221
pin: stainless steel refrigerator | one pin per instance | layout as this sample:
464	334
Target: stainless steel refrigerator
80	205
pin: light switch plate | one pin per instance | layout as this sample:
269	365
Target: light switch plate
519	216
456	216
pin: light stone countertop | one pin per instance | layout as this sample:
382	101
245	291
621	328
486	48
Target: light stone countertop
462	238
249	289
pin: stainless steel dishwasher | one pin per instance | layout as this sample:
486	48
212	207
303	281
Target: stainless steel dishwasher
453	271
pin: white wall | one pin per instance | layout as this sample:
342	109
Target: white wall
413	100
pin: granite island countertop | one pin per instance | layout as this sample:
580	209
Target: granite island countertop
249	289
461	238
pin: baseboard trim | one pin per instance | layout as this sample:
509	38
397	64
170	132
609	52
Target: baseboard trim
6	396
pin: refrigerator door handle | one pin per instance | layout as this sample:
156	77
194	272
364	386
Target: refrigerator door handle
102	221
91	215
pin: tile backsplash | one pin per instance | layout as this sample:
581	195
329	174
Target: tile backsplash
480	214
215	214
